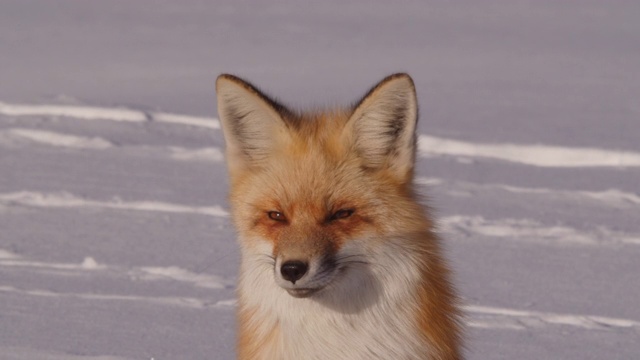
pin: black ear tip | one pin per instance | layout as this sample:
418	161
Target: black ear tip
228	77
225	77
399	76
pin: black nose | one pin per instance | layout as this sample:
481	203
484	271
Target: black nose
293	270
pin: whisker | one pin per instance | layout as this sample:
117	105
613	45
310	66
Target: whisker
348	256
344	261
355	262
266	259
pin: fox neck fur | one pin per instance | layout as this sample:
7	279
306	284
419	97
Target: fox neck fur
372	316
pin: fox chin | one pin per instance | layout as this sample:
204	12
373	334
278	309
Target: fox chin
339	258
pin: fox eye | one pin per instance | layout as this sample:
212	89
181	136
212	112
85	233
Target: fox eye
277	216
341	214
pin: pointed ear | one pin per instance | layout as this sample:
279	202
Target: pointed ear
252	122
382	126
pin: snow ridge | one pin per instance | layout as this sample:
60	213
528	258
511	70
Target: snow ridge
521	319
536	155
17	135
67	200
9	260
534	231
609	197
188	302
104	113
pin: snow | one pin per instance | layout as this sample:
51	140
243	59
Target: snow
538	155
534	231
54	139
116	241
63	199
587	322
101	113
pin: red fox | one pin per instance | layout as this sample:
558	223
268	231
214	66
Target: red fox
339	259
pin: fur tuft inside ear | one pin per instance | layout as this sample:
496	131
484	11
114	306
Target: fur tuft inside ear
382	126
251	122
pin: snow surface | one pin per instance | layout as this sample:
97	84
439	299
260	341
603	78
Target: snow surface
115	239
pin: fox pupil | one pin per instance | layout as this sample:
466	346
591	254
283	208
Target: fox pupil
276	215
341	214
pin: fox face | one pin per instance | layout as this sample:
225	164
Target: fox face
314	195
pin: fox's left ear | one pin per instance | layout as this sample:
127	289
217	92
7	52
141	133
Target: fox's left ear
382	126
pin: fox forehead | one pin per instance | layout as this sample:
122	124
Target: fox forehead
312	161
319	134
309	180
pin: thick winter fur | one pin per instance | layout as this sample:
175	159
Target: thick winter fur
334	190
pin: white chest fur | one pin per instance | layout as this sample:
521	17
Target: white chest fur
368	314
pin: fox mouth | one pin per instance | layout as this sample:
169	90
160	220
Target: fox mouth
320	276
302	292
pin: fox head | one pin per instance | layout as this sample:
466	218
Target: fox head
317	195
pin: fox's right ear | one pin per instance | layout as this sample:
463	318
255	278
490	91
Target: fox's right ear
382	126
251	122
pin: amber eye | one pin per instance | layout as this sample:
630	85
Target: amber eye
341	214
277	216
